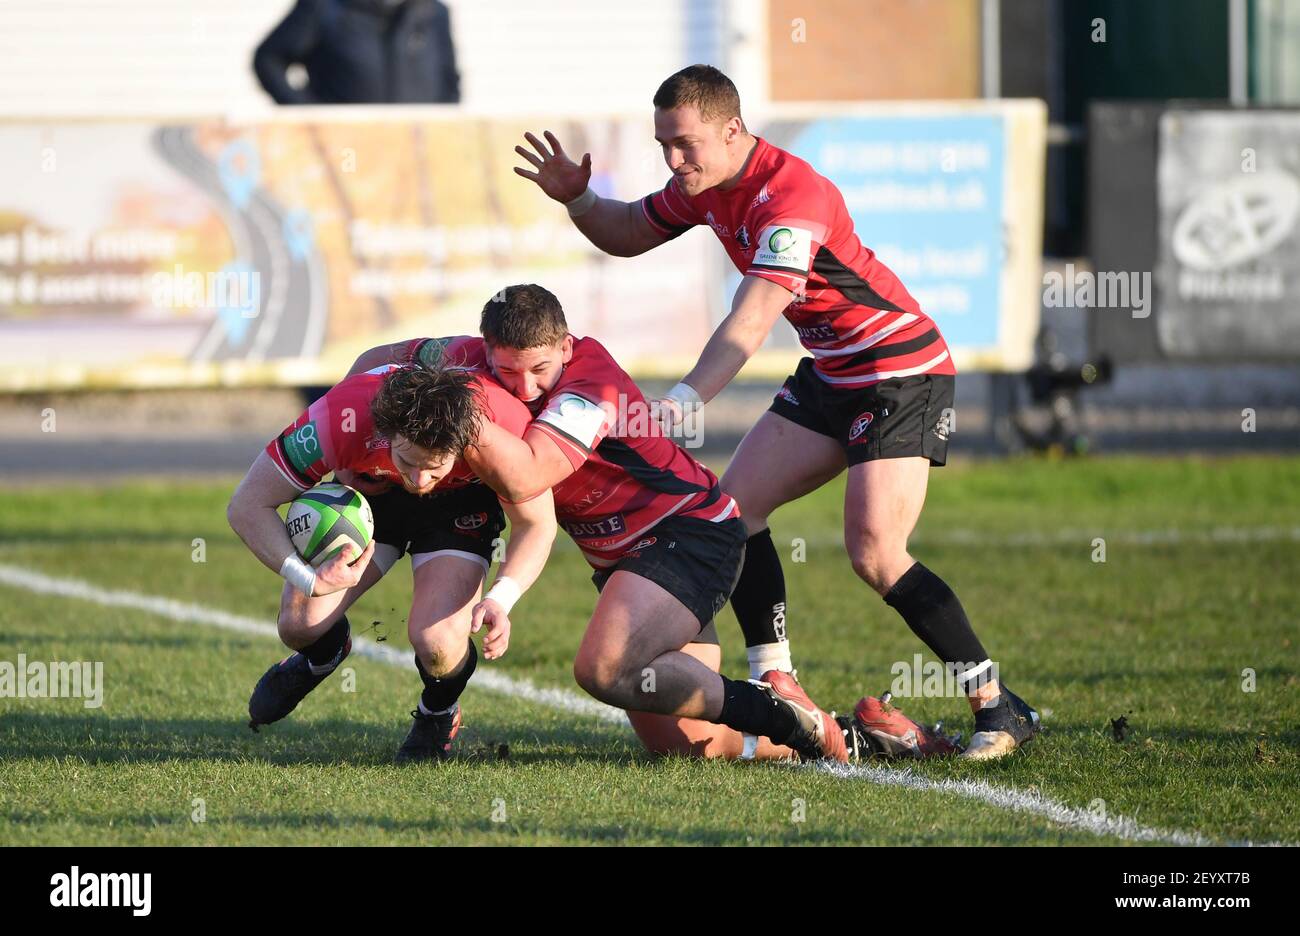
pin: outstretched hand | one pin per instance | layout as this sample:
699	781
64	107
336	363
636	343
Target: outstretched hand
557	175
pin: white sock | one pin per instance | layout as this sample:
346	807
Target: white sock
424	710
770	656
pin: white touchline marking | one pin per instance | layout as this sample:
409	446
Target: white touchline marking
1036	804
192	613
1001	797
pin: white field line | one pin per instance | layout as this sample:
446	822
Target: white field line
1036	804
198	614
1000	797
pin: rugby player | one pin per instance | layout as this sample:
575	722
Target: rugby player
874	397
404	436
664	541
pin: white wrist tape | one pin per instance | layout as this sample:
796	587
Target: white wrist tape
298	574
688	404
582	204
505	591
685	395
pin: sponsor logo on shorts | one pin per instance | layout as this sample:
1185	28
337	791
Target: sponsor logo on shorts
644	544
860	425
943	427
470	521
785	394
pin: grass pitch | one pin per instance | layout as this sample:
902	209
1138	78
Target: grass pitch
1201	582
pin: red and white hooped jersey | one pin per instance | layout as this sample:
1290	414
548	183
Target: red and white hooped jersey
337	432
627	475
785	222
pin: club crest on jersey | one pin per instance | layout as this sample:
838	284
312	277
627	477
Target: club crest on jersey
742	237
860	425
471	521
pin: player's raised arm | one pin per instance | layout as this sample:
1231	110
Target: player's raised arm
616	227
396	353
253	516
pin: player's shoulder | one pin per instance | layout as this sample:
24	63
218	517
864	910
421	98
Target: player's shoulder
788	177
364	384
591	373
499	405
592	360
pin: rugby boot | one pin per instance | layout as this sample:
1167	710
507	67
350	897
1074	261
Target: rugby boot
286	684
430	737
1001	728
817	736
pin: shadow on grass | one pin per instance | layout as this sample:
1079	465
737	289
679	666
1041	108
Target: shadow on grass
568	829
320	742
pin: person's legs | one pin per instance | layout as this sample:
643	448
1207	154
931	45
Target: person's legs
451	548
905	426
317	629
447	586
778	461
691	737
631	657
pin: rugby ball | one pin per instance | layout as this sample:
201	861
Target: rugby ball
325	519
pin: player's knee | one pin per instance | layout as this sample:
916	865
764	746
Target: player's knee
873	554
440	646
600	677
293	625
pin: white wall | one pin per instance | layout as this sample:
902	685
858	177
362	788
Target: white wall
92	57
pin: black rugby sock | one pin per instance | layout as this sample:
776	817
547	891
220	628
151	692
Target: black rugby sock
327	646
759	598
441	692
748	709
935	615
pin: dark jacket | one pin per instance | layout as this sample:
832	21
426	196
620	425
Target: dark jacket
362	52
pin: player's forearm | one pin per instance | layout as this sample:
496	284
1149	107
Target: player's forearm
529	547
377	357
262	531
756	307
608	225
728	349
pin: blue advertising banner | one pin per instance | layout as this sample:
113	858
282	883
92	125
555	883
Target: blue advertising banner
926	195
